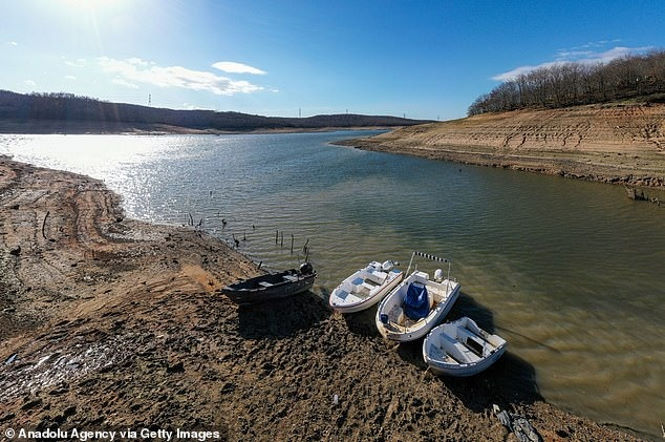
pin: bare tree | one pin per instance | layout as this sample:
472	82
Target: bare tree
570	84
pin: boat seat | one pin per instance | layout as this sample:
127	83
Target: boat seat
265	284
369	287
342	294
466	353
290	278
458	351
437	353
357	282
376	277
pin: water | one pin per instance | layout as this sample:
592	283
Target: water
572	271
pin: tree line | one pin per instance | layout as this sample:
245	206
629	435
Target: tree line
67	107
572	84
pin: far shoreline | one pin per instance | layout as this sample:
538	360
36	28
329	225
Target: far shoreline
95	128
616	147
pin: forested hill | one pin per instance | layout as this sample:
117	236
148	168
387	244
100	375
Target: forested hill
636	77
20	112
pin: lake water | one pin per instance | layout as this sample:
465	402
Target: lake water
572	271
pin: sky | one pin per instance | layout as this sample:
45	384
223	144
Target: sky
421	59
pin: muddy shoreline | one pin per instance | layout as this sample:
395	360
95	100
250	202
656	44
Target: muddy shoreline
613	144
108	322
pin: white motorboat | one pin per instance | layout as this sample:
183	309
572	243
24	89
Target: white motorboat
461	348
417	304
365	287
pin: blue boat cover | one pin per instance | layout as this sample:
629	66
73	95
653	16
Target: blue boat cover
416	302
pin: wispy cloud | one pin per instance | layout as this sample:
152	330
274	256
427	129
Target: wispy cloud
125	83
195	107
514	73
237	68
585	54
593	44
135	70
30	83
12	43
70	77
78	63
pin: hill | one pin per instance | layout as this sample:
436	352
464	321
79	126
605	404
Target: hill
50	113
615	143
561	84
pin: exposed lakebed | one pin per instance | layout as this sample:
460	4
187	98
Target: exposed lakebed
571	271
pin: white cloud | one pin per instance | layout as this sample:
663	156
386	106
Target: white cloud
30	83
188	106
70	77
237	68
12	43
514	73
78	63
134	70
579	54
125	83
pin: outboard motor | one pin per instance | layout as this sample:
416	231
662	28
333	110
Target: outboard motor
306	268
387	266
438	275
376	265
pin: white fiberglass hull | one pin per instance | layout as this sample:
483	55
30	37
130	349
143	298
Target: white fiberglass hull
401	329
446	349
350	296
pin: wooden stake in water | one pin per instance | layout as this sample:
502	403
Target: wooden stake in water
292	239
276	236
281	239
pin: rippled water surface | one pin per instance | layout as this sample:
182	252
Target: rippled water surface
572	272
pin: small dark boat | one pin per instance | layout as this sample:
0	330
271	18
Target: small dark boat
271	286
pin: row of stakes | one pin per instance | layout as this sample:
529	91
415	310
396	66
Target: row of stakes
279	236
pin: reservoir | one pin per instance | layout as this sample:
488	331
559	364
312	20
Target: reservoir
572	272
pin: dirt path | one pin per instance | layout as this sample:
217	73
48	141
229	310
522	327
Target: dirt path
115	323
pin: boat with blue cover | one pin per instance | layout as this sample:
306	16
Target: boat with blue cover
418	303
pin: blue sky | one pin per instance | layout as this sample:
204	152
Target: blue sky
419	58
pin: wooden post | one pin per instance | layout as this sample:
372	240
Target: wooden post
276	236
292	239
44	224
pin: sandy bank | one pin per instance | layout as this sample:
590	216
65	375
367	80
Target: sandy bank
116	323
620	144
